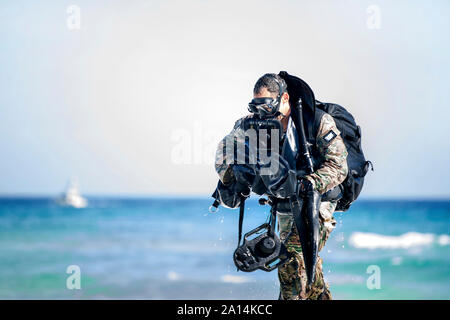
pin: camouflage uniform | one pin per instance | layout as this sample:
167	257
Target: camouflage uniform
332	172
292	275
223	158
334	157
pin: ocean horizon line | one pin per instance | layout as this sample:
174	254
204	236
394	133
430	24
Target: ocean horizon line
93	196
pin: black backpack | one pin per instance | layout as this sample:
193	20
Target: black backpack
357	164
350	132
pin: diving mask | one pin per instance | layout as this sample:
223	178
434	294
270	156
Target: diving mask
267	107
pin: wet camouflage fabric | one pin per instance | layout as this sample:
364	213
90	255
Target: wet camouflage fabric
223	158
292	275
334	156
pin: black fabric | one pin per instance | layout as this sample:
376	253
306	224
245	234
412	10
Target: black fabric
300	92
229	196
299	89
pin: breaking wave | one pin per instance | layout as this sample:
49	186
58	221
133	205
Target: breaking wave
405	241
234	279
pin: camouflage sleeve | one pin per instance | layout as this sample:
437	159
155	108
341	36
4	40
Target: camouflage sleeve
332	148
223	158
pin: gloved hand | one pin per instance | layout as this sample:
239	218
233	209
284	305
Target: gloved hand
305	186
244	177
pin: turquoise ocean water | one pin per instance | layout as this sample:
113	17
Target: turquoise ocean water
175	249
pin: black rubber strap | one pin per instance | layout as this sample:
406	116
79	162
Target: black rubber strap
216	203
241	219
273	218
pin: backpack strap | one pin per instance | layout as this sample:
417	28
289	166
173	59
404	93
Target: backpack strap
215	205
312	124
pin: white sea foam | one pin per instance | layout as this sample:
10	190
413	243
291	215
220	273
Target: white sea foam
234	279
344	278
444	240
404	241
173	276
396	261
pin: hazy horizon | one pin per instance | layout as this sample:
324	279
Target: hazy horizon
150	196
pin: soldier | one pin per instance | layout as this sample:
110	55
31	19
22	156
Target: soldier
330	155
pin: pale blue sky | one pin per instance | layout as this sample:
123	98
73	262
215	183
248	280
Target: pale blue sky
108	102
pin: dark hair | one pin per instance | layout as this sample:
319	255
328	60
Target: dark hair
268	81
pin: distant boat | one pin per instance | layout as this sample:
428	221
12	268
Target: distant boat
72	197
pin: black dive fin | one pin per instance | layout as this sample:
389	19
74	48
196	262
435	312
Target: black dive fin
306	221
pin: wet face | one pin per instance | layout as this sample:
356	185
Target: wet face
285	108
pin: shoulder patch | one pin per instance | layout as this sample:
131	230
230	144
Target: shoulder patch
329	136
